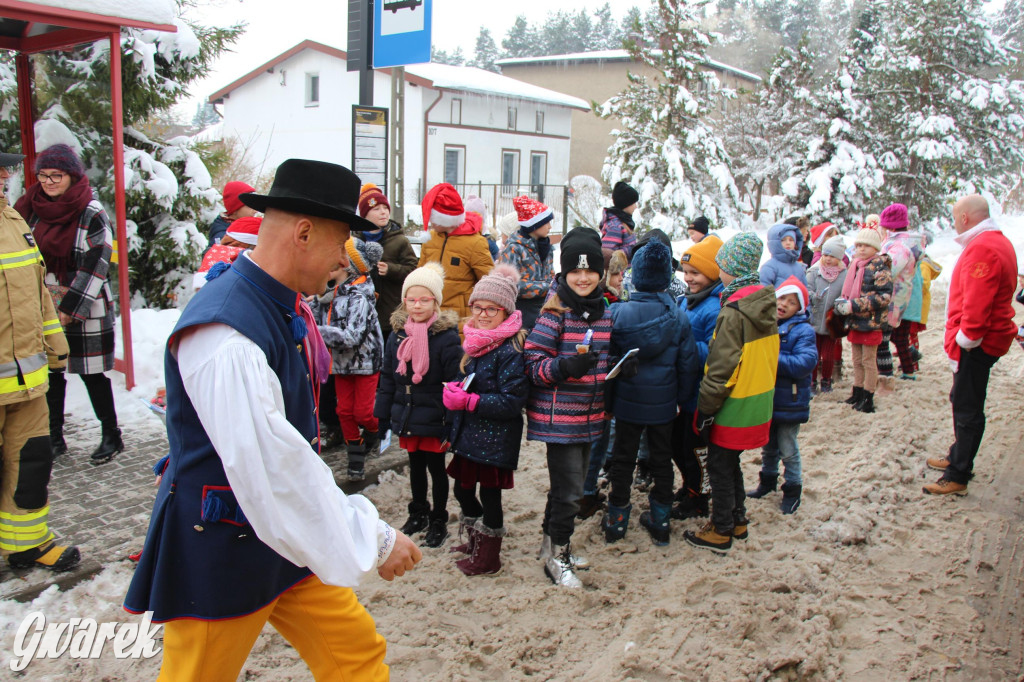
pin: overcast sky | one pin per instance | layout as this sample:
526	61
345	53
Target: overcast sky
276	25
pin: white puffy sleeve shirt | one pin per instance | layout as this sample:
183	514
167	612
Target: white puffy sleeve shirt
287	492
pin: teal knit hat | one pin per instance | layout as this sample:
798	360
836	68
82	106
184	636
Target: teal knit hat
740	255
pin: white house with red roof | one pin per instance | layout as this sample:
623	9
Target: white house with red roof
481	131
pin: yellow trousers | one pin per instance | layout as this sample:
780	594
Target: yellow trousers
25	475
327	625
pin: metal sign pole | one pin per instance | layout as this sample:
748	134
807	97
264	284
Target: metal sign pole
396	184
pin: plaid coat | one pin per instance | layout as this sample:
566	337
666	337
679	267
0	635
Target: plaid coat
89	300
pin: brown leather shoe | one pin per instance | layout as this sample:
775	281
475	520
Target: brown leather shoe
946	487
938	463
739	532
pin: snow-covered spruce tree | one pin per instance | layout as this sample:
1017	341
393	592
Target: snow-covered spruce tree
169	199
665	145
945	118
766	134
838	177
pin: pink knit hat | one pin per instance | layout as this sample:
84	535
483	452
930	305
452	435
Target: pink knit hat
500	286
894	217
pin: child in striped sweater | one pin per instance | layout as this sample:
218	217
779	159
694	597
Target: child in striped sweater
566	360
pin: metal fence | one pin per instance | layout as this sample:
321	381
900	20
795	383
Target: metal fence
498	199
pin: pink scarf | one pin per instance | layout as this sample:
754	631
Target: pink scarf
831	273
320	357
482	341
415	349
854	279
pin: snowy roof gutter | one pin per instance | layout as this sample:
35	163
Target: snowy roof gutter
614	56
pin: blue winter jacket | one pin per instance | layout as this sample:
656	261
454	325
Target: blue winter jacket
702	310
491	434
669	373
798	354
784	262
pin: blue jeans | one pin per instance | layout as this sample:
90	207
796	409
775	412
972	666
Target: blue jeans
782	445
598	456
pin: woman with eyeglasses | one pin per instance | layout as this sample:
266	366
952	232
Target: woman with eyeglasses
487	419
74	235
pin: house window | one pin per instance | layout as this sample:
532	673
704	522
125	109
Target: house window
509	171
538	173
312	89
454	165
457	111
511	118
540	121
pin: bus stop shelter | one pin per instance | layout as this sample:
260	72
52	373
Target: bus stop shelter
28	28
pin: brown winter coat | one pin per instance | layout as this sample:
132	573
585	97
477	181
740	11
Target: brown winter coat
870	308
401	260
465	259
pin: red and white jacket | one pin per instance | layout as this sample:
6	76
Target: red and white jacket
979	312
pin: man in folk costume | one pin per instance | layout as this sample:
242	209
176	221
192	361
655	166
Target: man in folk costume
248	525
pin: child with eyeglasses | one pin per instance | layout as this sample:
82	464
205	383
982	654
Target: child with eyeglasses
422	353
487	421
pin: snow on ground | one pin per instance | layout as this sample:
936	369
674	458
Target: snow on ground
869	580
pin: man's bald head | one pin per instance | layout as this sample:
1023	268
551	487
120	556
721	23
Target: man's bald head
300	250
969	212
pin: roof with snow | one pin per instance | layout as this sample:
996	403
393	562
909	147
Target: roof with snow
614	56
471	79
53	24
438	76
145	11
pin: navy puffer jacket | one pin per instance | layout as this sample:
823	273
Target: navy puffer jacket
492	433
669	372
417	409
798	354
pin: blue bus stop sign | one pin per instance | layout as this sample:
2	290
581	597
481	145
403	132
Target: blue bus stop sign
401	32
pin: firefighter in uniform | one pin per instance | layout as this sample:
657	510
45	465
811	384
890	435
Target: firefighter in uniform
31	344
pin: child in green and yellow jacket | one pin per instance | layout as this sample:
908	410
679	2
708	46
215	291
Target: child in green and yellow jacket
734	408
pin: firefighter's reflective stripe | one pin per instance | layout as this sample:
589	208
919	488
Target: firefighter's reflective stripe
51	327
18	259
24	374
19	532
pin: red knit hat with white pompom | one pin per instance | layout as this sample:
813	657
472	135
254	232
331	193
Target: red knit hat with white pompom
500	286
442	208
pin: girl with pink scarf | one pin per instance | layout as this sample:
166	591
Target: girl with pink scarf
865	300
487	422
422	353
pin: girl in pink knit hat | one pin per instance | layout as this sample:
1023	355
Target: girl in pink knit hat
487	422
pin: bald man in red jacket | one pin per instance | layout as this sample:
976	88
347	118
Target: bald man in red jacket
979	331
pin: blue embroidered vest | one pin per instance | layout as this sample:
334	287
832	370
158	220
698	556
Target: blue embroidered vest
201	558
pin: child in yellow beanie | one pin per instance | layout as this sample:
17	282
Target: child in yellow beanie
702	304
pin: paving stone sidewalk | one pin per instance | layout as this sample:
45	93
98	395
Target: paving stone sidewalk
105	509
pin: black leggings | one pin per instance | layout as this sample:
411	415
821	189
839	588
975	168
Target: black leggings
420	463
488	506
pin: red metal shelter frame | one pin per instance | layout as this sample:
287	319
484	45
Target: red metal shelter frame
54	28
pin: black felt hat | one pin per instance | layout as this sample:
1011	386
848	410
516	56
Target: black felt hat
8	160
314	188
